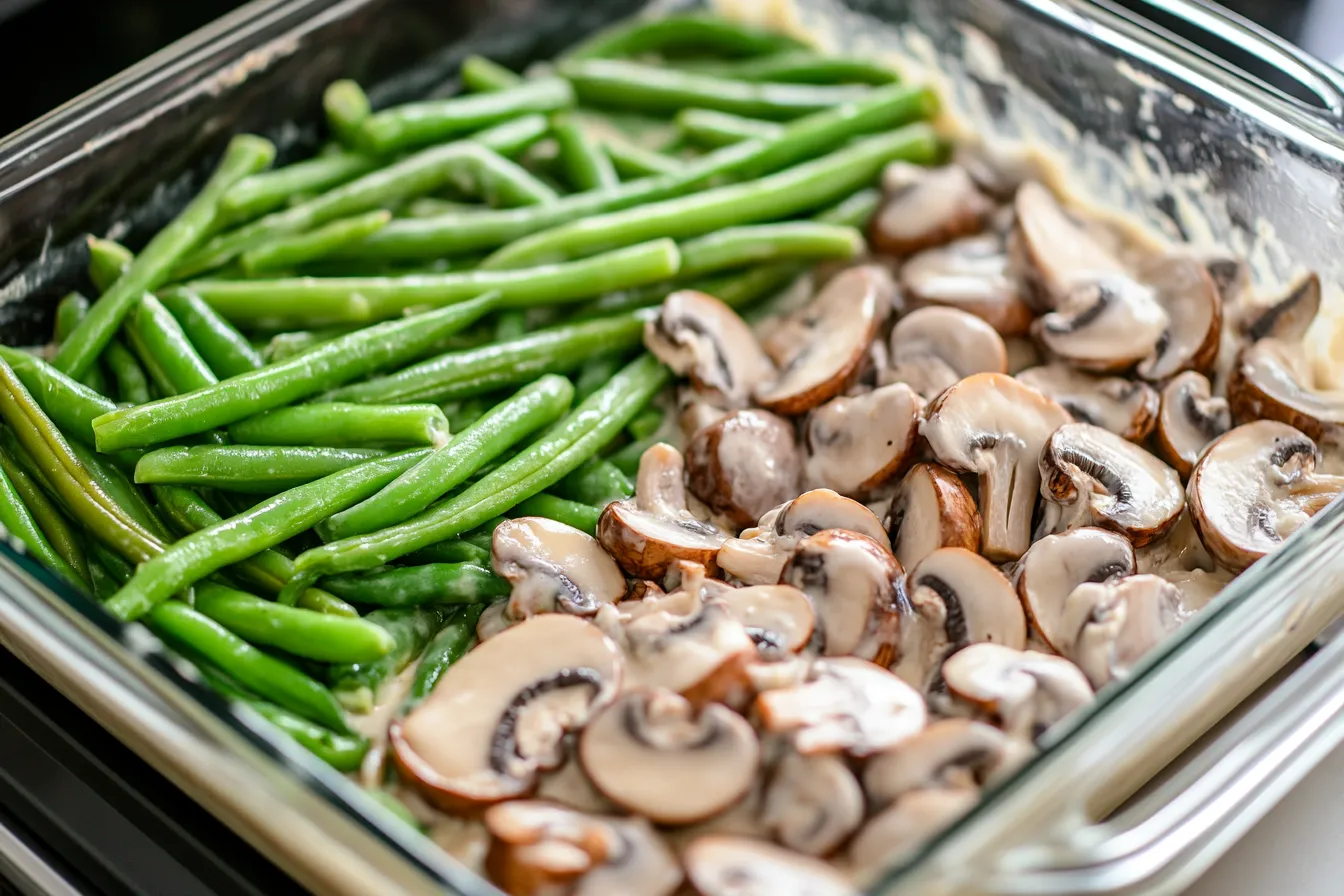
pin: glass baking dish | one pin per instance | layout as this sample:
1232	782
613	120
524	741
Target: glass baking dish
1142	123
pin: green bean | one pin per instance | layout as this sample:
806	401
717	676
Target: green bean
454	550
292	251
346	106
502	183
583	517
132	383
356	685
566	445
284	346
480	75
509	422
694	32
596	482
483	535
594	374
274	520
120	488
586	167
19	523
251	469
268	190
626	459
789	192
151	268
511	325
797	241
430	121
511	138
646	424
412	586
342	300
479	370
69	312
802	67
340	424
462	414
248	394
430	206
59	532
169	357
224	349
448	646
631	161
708	127
108	260
395	807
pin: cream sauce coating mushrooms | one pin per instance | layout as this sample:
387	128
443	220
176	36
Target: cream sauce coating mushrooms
994	426
812	803
1114	623
1092	477
1053	253
1191	417
854	444
971	275
1128	408
924	207
741	866
699	336
553	568
758	555
960	754
1194	308
931	509
744	464
1104	325
779	618
1272	380
1287	318
1057	564
499	715
1255	486
1025	690
652	753
905	825
932	348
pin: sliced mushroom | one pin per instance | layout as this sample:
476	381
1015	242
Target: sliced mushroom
569	786
779	618
1054	254
1191	418
1057	564
1113	624
1255	486
1288	318
972	275
820	350
553	568
699	336
758	556
539	848
994	426
741	866
925	207
1026	691
498	716
1128	408
1272	380
906	825
932	348
1092	477
1104	325
857	588
812	803
950	754
646	534
695	411
652	753
854	444
744	464
847	705
931	509
1194	308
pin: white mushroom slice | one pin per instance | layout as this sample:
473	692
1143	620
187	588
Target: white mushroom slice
854	444
1288	318
1113	624
907	825
1190	418
1255	486
1057	564
847	705
1272	380
758	556
646	534
856	586
653	754
744	464
741	866
1092	477
1128	408
499	715
820	350
779	618
994	426
1103	325
698	336
932	348
695	411
569	786
925	207
812	803
1026	691
1194	309
931	509
538	849
950	754
972	275
553	568
1056	254
1198	586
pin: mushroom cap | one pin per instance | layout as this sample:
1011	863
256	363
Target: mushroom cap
970	274
1057	564
779	618
1055	254
992	425
742	866
847	705
1272	380
744	464
1115	623
812	803
697	335
931	509
1194	308
821	349
758	556
932	348
1190	418
651	753
949	754
1093	477
856	443
553	567
856	587
1026	690
1288	318
1104	325
906	825
1126	407
1255	486
499	714
924	207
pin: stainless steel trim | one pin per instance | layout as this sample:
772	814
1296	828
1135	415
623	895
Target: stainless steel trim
27	871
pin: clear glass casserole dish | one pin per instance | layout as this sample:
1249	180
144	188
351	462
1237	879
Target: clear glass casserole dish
1141	123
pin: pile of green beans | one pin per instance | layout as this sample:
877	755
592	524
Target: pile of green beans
282	435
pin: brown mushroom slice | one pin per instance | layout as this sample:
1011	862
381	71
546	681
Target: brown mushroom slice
1103	325
1057	564
971	275
741	866
648	533
820	350
1288	318
744	464
758	555
553	568
847	705
950	754
539	848
931	509
906	825
699	652
932	348
1056	254
1128	408
994	426
498	716
812	803
699	336
1092	477
1272	380
779	618
1113	624
1026	691
1190	418
653	754
856	586
925	207
1194	308
854	444
1255	486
